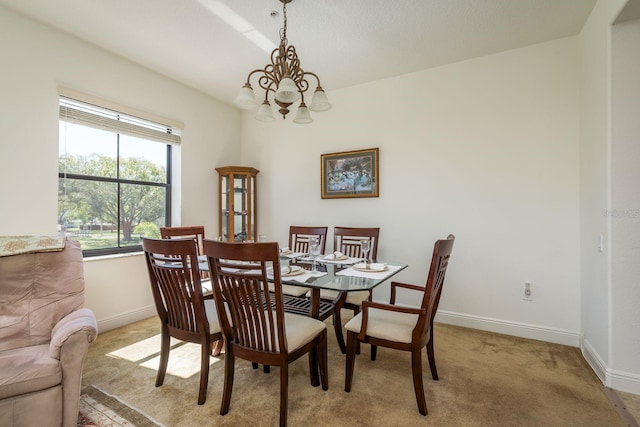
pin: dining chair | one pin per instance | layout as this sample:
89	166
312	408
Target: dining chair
299	237
299	242
253	320
184	312
402	327
195	232
347	240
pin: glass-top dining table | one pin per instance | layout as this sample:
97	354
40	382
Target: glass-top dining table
342	276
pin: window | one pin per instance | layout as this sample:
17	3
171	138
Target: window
114	180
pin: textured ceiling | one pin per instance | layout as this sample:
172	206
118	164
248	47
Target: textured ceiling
345	42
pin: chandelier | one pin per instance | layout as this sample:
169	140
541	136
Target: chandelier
288	82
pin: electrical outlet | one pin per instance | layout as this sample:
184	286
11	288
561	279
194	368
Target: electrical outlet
527	292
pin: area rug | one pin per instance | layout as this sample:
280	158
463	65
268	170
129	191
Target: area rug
99	409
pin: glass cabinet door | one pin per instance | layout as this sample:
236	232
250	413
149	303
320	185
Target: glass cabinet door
237	188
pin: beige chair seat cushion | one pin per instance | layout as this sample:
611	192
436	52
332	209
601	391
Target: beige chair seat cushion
301	329
354	298
296	291
387	325
28	369
212	316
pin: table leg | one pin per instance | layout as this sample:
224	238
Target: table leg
337	321
314	366
315	303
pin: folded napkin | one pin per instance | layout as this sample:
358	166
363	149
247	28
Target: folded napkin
331	259
288	253
369	275
300	278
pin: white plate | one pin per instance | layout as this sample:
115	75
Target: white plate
371	268
295	270
332	257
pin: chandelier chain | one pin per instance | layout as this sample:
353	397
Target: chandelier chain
283	30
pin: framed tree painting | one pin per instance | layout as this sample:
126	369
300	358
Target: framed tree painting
350	174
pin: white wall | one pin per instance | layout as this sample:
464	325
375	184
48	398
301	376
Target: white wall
625	205
594	181
35	60
486	149
608	178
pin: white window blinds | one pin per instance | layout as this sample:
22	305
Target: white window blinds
78	112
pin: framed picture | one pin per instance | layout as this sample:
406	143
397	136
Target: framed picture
350	174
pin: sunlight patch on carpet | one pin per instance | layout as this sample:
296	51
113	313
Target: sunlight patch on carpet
184	362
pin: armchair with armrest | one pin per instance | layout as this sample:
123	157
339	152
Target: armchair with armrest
403	327
44	335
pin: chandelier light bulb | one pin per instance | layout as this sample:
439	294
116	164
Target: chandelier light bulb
287	91
265	113
302	115
319	102
246	99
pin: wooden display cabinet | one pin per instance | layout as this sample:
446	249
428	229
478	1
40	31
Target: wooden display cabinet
237	203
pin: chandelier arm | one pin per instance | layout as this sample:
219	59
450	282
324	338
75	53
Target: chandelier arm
258	70
314	75
303	84
281	67
266	82
266	74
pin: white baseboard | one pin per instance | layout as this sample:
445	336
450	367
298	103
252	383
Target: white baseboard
126	318
617	380
594	360
623	381
523	330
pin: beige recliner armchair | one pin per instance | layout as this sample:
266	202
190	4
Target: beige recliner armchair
44	336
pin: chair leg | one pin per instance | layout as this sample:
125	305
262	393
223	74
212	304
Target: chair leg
216	348
351	360
313	366
266	369
356	311
164	356
229	367
205	350
416	368
323	360
254	365
432	358
374	351
284	393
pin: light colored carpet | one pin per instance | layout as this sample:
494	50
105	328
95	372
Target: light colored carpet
486	379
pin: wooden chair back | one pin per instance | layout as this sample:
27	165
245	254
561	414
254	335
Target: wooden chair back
254	319
195	232
299	238
433	289
347	240
175	283
180	303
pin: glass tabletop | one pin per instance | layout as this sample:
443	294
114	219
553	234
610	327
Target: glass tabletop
337	277
346	279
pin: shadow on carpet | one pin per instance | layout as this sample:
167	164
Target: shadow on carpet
99	409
